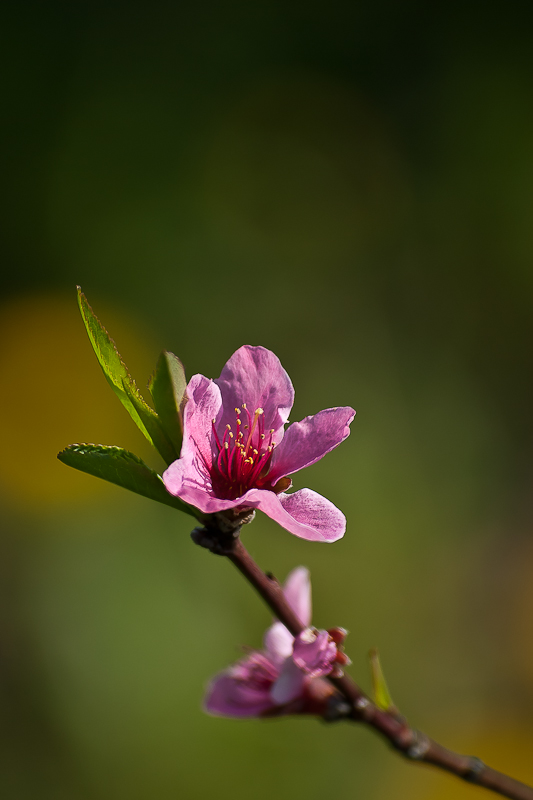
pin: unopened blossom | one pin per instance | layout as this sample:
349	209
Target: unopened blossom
286	676
237	455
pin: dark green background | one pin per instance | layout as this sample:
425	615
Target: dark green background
351	186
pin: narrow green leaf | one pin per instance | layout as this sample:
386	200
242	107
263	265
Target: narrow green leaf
122	383
167	387
109	358
123	468
382	696
151	423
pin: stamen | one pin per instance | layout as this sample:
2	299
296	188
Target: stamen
248	415
219	460
217	440
243	461
226	431
254	474
257	414
231	462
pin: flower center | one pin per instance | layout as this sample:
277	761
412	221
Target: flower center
257	672
242	458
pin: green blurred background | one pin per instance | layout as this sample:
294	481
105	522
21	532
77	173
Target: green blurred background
351	186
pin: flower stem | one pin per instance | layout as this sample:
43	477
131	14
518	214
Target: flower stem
411	743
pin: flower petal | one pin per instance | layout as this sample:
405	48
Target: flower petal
188	479
254	375
228	697
307	441
289	685
304	513
243	690
203	405
314	652
297	590
278	642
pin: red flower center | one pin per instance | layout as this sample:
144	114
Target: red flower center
242	458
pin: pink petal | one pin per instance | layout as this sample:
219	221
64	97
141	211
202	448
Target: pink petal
254	375
289	685
304	513
308	441
278	642
314	652
297	590
203	406
188	479
244	689
227	697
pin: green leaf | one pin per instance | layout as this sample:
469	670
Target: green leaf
123	468
151	423
109	358
382	696
122	383
167	387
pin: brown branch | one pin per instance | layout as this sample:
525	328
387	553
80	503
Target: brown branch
223	539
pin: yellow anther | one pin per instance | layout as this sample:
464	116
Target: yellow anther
259	411
237	410
246	426
239	422
231	435
262	436
256	452
244	405
213	421
228	426
271	430
226	445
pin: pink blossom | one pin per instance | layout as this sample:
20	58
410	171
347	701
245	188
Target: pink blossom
237	455
284	677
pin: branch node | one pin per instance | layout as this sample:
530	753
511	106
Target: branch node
338	708
221	531
361	708
420	746
214	541
475	770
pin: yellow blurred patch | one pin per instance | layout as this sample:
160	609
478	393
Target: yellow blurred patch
53	393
